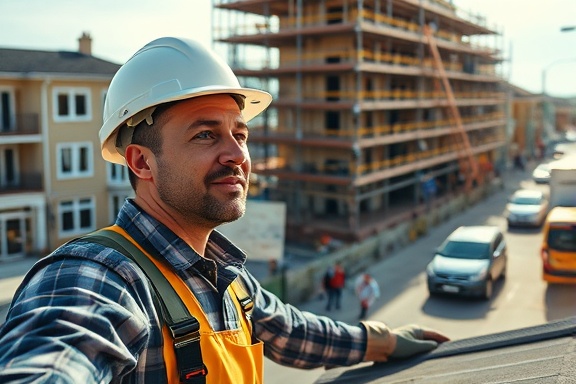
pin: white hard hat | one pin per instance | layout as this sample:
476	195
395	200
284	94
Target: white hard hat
168	69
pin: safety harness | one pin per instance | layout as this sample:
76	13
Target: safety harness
184	327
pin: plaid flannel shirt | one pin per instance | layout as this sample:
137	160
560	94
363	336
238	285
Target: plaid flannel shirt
91	319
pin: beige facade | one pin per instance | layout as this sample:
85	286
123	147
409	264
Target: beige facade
54	184
538	122
360	131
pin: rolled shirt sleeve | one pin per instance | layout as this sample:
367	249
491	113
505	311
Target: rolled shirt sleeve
302	339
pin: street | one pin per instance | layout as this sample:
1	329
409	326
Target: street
521	300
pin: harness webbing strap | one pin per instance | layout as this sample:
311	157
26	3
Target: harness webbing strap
184	327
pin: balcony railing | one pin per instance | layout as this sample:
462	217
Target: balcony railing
343	167
27	182
25	124
381	130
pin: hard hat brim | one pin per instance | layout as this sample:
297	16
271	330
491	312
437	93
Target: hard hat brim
255	102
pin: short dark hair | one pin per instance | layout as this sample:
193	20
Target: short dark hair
149	135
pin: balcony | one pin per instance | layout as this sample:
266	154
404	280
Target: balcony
25	124
24	182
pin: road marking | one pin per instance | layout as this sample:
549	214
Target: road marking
510	295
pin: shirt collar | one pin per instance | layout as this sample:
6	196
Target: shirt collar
152	234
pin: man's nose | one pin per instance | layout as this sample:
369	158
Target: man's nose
233	152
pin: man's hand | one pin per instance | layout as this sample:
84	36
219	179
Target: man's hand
413	339
402	342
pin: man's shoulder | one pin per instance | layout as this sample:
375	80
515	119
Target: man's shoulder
82	252
83	249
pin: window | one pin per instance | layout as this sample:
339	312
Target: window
74	160
9	167
103	101
562	238
116	200
72	104
118	174
7	114
465	250
76	216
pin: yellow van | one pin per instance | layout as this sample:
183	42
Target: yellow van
559	246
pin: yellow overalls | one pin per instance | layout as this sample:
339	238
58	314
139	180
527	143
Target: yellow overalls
230	356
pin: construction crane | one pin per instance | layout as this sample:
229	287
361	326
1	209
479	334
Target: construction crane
466	158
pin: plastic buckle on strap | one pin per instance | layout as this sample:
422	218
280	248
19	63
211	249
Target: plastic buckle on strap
186	336
184	330
247	304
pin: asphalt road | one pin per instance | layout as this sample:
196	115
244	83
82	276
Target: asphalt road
521	300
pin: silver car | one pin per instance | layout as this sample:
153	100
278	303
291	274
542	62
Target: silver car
526	207
541	174
468	262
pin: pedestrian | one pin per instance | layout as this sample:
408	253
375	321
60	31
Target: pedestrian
177	116
367	291
334	281
326	285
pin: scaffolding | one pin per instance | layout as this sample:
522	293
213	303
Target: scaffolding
360	133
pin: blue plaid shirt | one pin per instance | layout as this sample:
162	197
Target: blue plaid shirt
91	318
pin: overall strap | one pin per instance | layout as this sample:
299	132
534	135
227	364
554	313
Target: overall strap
246	305
184	327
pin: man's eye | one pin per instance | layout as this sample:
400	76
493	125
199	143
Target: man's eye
241	137
203	135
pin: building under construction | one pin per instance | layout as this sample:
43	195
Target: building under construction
380	106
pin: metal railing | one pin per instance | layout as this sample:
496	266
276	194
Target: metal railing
24	124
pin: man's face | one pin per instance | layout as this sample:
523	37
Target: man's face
202	171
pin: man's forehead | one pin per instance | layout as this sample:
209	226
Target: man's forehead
224	101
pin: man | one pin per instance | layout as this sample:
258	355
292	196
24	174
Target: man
335	280
367	290
176	115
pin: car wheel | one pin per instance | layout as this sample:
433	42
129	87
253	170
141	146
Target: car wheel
488	288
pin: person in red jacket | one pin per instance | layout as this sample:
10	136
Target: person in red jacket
335	281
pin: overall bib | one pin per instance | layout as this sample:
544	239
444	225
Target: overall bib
229	355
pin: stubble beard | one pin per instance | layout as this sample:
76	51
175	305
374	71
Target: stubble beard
200	207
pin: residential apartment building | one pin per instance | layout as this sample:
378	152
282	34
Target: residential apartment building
538	122
361	128
54	184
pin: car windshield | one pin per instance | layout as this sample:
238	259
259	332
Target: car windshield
465	250
521	200
562	239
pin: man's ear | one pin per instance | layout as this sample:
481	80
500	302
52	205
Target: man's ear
137	160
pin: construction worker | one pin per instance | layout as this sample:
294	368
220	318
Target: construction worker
98	312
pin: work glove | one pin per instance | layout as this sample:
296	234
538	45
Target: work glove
382	342
410	341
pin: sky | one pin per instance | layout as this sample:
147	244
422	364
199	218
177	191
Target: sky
532	42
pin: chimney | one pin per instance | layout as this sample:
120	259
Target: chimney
85	44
